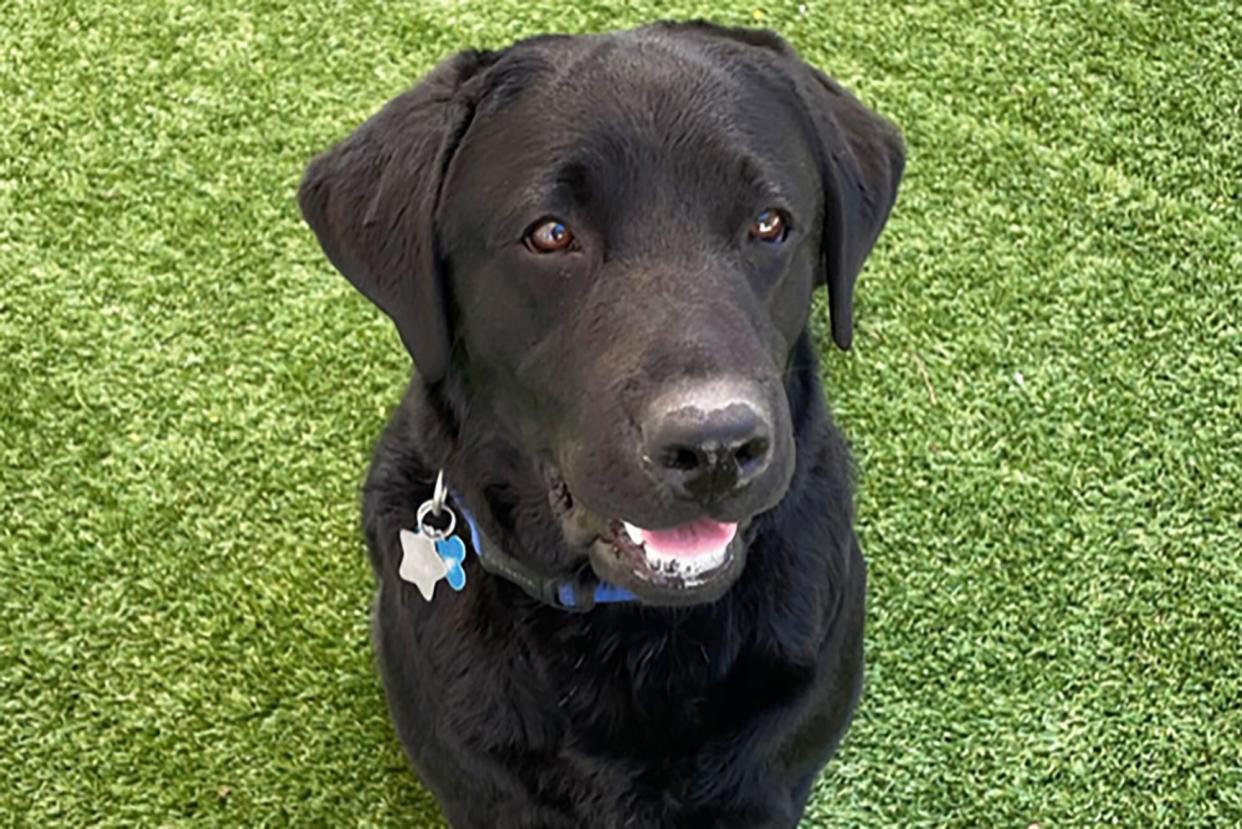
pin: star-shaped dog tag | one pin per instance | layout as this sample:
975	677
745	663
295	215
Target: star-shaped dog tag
421	565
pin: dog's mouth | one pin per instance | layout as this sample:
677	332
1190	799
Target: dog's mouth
686	555
690	563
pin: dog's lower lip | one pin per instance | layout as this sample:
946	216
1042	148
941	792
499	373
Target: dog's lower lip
580	528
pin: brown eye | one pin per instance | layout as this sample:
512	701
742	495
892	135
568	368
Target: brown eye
769	226
549	237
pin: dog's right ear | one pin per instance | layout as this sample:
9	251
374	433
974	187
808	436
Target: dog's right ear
372	199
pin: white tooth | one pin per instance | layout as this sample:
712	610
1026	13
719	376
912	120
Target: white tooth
689	569
635	534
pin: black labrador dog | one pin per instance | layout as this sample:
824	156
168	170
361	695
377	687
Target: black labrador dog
600	252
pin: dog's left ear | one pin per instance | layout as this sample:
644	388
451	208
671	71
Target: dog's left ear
861	157
861	161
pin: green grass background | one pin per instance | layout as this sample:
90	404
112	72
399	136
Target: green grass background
1045	398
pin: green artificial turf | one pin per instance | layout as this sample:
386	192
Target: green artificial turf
1045	400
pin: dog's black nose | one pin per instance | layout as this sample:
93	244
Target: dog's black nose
707	443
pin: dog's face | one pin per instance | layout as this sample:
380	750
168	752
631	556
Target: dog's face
613	242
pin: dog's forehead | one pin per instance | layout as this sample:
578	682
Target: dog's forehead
655	86
639	103
630	74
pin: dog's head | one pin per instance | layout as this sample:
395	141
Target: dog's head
612	242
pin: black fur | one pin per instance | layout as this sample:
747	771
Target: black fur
657	143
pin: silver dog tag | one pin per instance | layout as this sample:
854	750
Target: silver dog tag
421	565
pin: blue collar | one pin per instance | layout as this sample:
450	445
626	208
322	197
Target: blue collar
575	596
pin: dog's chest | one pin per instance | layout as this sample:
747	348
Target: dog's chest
654	738
675	709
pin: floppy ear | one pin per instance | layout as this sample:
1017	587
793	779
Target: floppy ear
861	157
372	199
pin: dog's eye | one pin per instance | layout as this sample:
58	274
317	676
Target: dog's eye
549	236
770	226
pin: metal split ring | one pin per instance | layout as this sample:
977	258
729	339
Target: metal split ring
439	494
436	507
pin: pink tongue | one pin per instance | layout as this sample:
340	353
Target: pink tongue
689	540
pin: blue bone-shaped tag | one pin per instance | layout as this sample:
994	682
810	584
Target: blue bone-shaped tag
453	551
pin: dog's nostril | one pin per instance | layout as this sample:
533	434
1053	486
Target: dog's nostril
682	458
751	451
